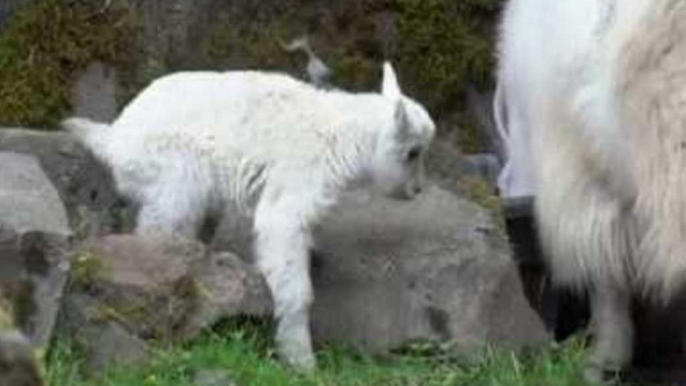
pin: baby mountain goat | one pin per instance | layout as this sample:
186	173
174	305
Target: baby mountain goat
193	143
596	89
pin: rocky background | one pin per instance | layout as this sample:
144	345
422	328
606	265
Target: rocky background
438	269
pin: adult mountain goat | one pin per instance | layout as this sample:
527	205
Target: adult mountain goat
595	92
280	149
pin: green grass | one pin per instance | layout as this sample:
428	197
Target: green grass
247	354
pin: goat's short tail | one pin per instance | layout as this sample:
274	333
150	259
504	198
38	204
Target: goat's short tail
92	134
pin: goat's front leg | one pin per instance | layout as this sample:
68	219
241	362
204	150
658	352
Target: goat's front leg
613	331
282	248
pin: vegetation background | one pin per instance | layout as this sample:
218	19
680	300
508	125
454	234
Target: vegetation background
441	48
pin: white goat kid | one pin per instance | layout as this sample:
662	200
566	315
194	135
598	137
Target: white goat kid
194	142
596	89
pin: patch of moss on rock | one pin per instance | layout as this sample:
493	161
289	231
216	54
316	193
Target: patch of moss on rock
470	137
483	194
47	44
158	313
85	269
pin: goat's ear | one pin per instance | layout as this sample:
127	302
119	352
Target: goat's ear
389	86
402	121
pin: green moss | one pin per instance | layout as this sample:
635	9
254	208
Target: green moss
444	45
85	269
484	195
46	45
249	44
354	70
470	137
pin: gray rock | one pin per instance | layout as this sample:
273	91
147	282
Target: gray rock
435	268
160	288
210	377
85	186
387	273
23	185
110	344
447	165
229	287
34	240
171	28
481	107
18	366
104	341
484	165
94	95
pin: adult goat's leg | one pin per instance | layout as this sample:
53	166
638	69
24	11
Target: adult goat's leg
612	329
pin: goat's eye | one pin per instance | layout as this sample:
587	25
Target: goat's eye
414	153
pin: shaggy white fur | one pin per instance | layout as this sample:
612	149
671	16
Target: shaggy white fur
592	96
193	143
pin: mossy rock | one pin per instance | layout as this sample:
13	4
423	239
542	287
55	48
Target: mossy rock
159	314
470	137
86	268
145	290
483	194
46	45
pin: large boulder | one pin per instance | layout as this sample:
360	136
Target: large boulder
435	268
129	289
85	186
34	240
388	273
